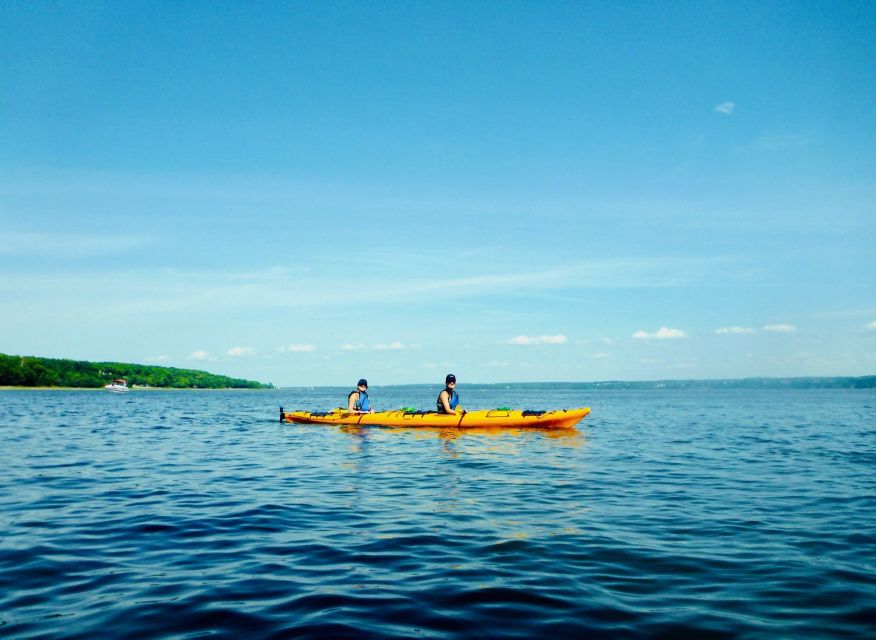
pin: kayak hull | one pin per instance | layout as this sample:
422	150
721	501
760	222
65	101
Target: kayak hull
561	419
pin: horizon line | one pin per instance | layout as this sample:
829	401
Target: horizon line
616	381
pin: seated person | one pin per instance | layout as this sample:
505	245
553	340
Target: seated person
357	400
448	399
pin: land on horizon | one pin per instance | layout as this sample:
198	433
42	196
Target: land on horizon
801	382
37	372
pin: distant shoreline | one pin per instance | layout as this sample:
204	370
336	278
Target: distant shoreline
36	372
812	382
7	388
809	382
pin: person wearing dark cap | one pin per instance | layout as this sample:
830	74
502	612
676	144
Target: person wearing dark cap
448	399
357	399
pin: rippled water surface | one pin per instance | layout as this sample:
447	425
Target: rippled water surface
664	514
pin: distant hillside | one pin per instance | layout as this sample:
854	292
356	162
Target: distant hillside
841	382
860	382
30	371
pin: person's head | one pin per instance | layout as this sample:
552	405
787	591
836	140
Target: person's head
363	384
450	380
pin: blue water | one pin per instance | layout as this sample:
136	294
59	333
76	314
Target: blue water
704	514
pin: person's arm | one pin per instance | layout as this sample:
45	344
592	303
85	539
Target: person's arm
351	402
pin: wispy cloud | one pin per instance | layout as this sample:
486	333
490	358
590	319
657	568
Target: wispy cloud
535	340
781	141
847	313
236	352
871	326
158	359
270	276
663	333
604	341
380	346
735	331
298	348
780	328
66	245
162	292
199	355
726	108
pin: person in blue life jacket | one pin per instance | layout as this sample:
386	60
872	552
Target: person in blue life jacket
448	399
357	400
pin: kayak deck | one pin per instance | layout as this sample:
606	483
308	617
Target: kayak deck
559	419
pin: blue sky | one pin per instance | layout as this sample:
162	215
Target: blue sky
307	193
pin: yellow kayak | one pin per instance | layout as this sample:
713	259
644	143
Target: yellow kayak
561	419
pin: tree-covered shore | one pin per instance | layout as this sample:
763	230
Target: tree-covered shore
31	371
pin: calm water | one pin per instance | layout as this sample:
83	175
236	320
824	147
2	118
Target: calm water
665	514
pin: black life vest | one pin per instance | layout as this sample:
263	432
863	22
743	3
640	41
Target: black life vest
452	400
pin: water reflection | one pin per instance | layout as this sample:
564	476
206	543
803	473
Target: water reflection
477	439
496	440
570	437
359	433
452	433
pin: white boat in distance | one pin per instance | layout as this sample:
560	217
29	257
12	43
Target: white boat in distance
117	386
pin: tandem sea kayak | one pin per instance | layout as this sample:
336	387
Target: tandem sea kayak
561	419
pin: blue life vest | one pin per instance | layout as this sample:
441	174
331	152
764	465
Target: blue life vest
452	400
363	403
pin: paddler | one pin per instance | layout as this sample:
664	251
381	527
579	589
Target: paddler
448	399
357	399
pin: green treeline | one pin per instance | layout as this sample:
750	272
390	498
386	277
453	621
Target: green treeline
29	371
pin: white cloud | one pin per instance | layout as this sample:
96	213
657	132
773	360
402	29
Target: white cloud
871	326
199	355
734	331
298	348
533	340
726	108
601	356
393	346
380	346
158	359
236	352
663	333
780	328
